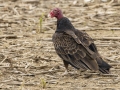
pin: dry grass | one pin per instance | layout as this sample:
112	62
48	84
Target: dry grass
27	58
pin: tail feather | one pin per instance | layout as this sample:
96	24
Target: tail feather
104	71
103	66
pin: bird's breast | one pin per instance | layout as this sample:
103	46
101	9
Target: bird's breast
62	40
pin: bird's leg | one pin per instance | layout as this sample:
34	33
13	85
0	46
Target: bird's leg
66	66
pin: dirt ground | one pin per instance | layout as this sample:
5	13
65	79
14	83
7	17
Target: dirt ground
27	57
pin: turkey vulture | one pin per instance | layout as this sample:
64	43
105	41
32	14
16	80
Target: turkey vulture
76	47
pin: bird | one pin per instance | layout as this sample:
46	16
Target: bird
75	47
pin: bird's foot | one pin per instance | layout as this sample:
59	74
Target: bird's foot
65	73
84	74
80	72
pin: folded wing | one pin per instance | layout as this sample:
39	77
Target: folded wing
73	52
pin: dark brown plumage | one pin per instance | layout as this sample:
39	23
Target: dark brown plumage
76	47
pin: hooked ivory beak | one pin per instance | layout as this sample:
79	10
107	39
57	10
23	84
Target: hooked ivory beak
49	15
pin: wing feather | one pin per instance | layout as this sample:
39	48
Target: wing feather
69	50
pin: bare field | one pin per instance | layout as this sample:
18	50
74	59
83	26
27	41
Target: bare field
27	57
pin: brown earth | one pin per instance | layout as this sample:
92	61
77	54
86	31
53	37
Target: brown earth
27	57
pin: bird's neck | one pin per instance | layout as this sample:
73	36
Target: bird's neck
64	24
